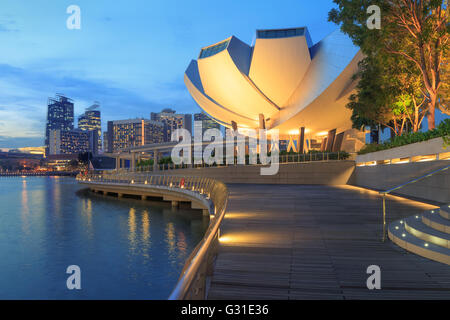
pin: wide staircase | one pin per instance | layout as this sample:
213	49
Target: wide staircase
426	234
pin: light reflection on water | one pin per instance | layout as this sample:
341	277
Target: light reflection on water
126	248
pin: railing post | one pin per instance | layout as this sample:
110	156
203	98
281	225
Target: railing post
384	217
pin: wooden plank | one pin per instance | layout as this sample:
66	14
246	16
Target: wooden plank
316	242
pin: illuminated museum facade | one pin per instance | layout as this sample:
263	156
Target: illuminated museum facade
283	81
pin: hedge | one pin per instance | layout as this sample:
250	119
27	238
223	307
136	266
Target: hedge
442	130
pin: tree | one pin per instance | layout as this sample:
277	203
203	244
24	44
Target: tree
145	163
424	24
374	101
165	160
412	102
387	94
444	94
416	31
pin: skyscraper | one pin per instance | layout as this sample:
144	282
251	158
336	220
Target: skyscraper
59	116
91	121
206	121
172	121
124	134
72	141
105	142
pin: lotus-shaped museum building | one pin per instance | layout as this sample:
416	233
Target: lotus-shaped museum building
283	81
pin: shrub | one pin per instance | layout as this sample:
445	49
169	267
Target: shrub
442	130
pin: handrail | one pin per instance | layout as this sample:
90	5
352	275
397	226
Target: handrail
282	159
213	190
414	180
386	192
193	269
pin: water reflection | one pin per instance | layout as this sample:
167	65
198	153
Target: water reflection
132	230
181	243
170	237
138	250
146	233
86	214
56	195
25	212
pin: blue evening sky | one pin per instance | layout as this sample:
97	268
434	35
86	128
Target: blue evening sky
129	55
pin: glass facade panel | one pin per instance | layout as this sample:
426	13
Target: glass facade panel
282	33
210	51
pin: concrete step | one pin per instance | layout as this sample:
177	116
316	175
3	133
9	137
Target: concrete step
400	236
434	220
444	211
417	228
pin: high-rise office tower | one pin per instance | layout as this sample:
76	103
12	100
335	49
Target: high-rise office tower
59	116
91	120
172	121
105	142
123	134
206	121
72	141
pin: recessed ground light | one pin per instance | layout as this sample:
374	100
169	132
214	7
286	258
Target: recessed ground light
426	244
417	217
403	235
401	221
432	211
396	227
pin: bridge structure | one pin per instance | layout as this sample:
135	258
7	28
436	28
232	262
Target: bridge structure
154	151
135	154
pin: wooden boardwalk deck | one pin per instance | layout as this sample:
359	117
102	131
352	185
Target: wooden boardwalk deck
316	242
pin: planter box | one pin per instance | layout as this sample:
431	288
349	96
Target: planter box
420	151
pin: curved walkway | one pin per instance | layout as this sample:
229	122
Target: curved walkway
316	242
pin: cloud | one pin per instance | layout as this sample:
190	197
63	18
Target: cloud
35	83
8	25
24	94
9	142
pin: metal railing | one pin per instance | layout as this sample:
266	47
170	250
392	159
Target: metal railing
199	265
284	158
386	192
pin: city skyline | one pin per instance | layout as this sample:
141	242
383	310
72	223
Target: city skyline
117	58
241	153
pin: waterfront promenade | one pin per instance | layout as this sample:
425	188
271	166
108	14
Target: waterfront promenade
316	242
39	174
